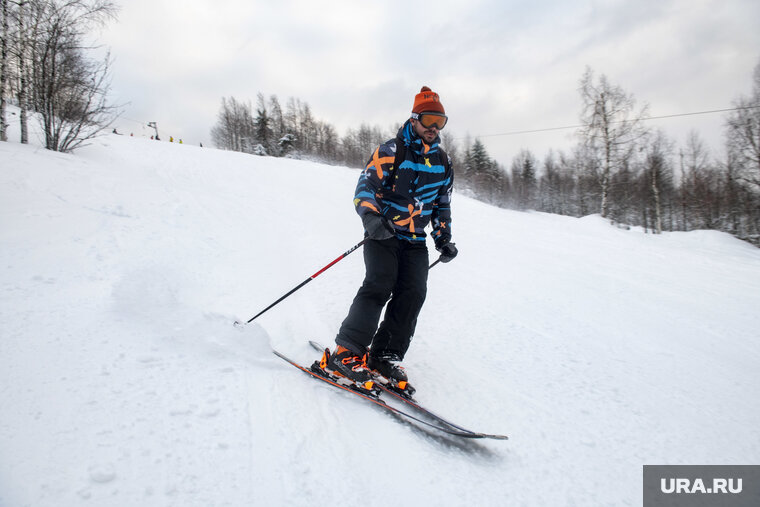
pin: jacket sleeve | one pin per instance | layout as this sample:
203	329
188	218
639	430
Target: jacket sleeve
370	186
441	216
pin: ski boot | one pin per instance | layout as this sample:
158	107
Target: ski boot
386	370
347	368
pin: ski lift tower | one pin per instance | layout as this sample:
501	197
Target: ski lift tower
153	124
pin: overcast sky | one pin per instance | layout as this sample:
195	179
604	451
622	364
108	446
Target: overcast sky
499	66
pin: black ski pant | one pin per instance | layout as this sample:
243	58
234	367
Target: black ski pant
395	269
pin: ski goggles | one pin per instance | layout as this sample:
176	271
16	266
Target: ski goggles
429	120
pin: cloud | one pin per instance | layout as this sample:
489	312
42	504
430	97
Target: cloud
499	66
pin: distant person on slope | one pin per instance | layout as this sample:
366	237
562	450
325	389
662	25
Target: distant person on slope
405	186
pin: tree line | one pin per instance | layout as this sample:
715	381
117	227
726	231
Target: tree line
620	168
46	68
632	174
272	130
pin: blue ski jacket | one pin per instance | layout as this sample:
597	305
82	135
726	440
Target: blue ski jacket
413	194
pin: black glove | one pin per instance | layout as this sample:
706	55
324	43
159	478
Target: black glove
377	227
448	250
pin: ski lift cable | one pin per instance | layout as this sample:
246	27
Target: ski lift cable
567	127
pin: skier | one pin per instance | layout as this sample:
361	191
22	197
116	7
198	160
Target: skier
406	185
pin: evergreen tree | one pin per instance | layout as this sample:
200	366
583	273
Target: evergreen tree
263	129
524	181
487	178
277	121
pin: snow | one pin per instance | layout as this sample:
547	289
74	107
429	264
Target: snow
124	382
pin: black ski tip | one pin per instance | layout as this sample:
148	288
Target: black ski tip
465	434
496	437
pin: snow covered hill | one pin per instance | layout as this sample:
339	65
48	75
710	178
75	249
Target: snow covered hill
123	381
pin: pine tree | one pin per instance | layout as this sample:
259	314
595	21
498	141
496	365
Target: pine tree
524	180
488	180
275	114
263	128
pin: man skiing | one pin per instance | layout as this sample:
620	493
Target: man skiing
405	186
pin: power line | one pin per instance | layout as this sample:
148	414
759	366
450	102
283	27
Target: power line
143	123
567	127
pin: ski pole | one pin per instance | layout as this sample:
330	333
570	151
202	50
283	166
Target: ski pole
312	277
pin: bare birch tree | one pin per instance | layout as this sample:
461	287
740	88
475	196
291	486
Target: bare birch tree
235	128
4	67
743	134
659	174
27	27
69	89
611	127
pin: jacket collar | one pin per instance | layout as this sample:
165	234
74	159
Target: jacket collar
414	142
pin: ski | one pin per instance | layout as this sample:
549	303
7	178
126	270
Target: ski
373	398
402	396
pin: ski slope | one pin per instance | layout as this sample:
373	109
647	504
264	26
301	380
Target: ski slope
123	381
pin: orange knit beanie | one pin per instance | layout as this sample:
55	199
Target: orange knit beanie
427	101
